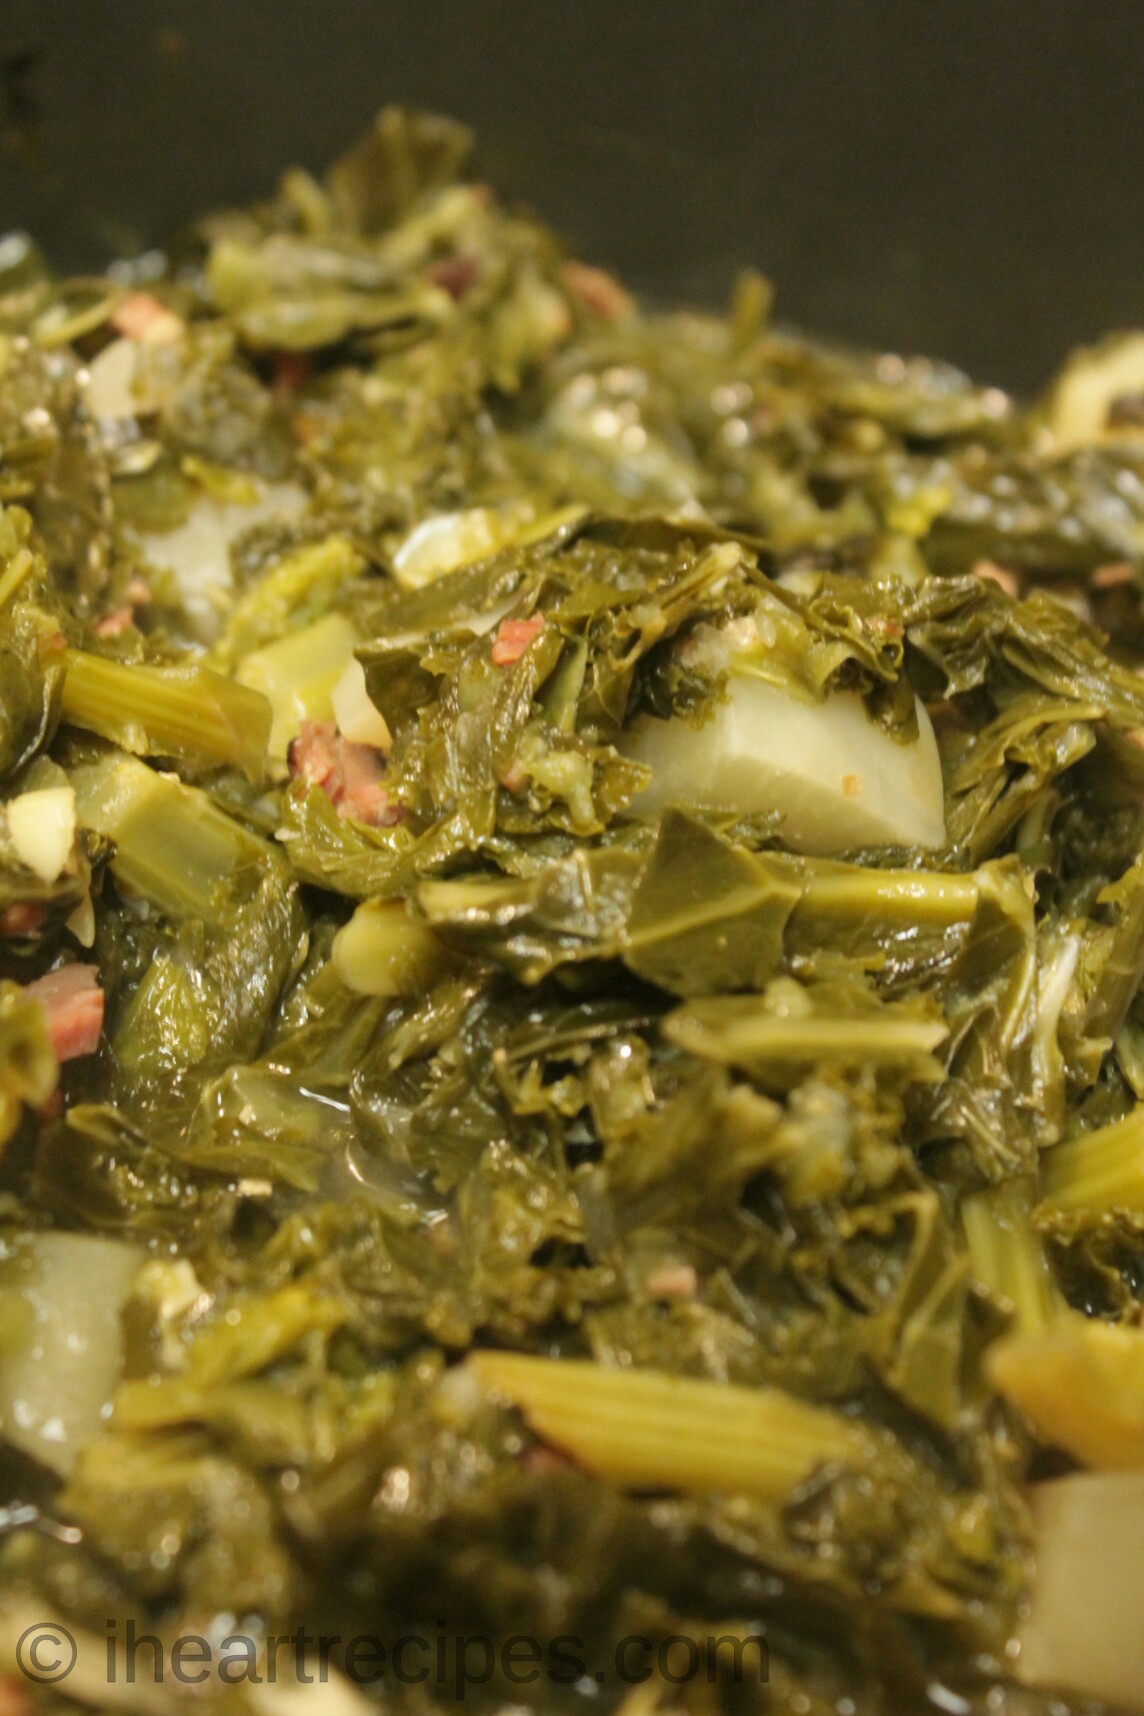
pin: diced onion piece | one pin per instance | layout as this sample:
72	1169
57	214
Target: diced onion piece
297	674
42	827
358	718
441	544
1089	386
60	1300
834	778
1082	1630
385	950
197	552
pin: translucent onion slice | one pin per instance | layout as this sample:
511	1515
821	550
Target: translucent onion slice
833	778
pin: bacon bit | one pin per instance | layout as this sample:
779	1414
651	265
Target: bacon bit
292	370
350	775
139	591
513	638
596	291
852	786
114	624
673	1281
313	755
441	1236
994	574
1108	577
23	917
542	1460
455	274
142	317
14	1698
50	1110
73	1001
514	778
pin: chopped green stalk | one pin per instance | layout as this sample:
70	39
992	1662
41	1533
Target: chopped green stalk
1099	1172
19	568
1008	1256
385	950
185	711
297	674
909	898
648	1430
737	1033
173	846
1080	1383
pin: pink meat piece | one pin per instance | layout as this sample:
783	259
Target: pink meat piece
313	755
1108	577
351	775
14	1699
513	638
292	370
73	1001
1000	575
543	1459
114	624
456	274
673	1281
22	918
142	317
596	291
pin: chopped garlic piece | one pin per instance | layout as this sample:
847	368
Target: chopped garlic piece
42	827
110	389
81	922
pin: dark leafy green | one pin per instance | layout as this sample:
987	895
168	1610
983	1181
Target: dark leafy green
678	1091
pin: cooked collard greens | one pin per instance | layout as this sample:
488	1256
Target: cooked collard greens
571	1013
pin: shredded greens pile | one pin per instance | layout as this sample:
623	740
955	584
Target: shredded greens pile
457	1176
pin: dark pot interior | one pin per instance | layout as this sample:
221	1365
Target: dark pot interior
957	176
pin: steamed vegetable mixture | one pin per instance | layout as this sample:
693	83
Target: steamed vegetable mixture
571	938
